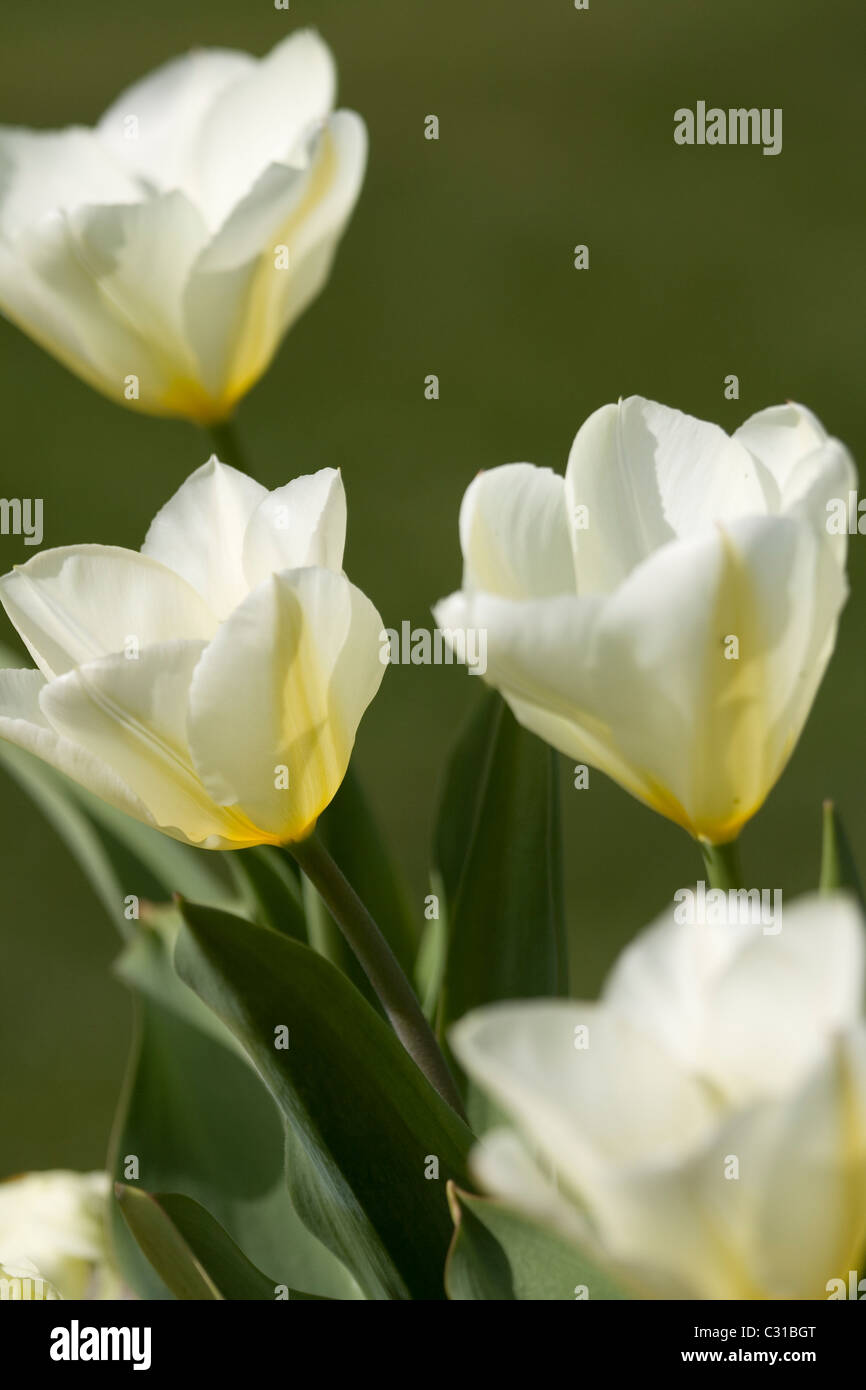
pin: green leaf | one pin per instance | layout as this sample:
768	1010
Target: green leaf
838	868
432	956
497	1253
362	1122
498	857
190	1250
271	889
195	1119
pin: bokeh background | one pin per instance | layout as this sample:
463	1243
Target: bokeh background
556	128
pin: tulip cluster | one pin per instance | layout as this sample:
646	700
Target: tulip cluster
665	613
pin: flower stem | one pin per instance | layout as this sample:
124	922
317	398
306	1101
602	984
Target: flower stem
226	444
722	865
379	964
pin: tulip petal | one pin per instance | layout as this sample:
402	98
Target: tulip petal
712	726
283	685
514	533
132	715
241	297
553	1065
789	1218
101	287
780	437
169	106
76	603
260	120
810	1169
23	723
540	656
647	474
42	171
199	533
301	524
749	1009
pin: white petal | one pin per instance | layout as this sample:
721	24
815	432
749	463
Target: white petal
101	287
713	733
647	474
554	1065
780	437
169	106
301	524
23	723
42	171
199	533
283	685
749	1010
540	656
241	299
514	533
793	1218
76	603
811	1223
261	119
132	714
639	684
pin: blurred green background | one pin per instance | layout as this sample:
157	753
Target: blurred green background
556	128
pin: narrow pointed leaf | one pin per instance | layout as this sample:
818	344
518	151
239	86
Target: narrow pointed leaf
363	1124
195	1119
270	888
191	1252
838	867
498	857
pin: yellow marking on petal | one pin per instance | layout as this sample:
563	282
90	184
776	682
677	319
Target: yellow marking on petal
257	334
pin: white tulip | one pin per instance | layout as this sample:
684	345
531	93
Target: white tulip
701	1129
213	683
162	254
53	1237
666	611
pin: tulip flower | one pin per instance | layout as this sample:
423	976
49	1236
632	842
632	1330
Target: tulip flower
162	254
212	684
53	1238
666	611
701	1130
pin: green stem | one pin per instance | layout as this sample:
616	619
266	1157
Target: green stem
722	865
227	445
379	964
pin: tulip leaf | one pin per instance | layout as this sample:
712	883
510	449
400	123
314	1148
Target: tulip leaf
195	1119
497	1253
190	1250
370	1144
271	888
838	867
498	858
